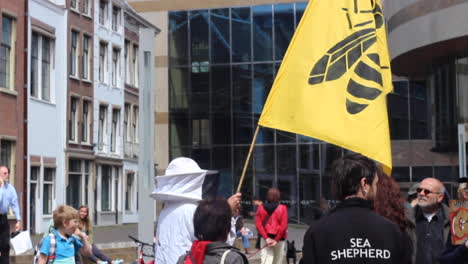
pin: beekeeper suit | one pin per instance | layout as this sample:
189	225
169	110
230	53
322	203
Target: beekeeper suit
180	189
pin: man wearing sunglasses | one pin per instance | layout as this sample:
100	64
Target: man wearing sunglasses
429	222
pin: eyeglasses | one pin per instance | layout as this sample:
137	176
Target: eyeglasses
425	191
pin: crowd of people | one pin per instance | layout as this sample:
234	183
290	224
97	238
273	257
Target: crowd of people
372	223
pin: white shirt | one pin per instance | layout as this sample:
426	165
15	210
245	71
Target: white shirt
429	216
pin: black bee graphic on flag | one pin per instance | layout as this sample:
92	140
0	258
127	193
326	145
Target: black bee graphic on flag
354	51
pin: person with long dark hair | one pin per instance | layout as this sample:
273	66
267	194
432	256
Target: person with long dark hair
212	223
389	204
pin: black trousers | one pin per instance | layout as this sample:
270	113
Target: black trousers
4	239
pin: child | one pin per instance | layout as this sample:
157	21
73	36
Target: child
66	221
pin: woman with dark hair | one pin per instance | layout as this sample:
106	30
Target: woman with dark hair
389	204
212	223
272	225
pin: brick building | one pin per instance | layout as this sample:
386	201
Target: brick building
12	93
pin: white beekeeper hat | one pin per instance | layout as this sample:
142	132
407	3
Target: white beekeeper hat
183	181
183	165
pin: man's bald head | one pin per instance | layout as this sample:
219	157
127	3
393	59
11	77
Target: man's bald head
430	194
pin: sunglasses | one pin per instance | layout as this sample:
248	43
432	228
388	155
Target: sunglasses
425	191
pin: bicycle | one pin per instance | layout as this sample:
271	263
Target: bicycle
144	250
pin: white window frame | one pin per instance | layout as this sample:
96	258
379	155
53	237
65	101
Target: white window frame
127	59
130	192
86	58
9	82
112	196
8	156
115	137
39	88
74	110
136	68
83	174
74	46
35	59
74	4
103	47
102	127
86	122
86	7
48	182
103	6
135	132
127	132
116	14
115	67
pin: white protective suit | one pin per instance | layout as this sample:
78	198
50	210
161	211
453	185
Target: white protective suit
180	189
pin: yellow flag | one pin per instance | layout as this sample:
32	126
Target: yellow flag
334	78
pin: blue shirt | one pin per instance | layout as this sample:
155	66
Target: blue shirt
9	198
66	247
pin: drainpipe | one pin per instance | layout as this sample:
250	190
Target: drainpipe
25	121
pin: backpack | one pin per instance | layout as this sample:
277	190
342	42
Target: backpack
53	247
190	260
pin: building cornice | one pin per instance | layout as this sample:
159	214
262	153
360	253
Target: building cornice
59	9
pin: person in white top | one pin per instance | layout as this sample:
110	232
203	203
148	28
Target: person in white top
180	189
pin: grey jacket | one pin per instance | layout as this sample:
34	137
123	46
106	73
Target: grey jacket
411	214
214	252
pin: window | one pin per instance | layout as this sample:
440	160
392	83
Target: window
7	155
200	132
45	69
106	187
74	54
135	128
34	65
41	51
126	133
115	67
115	18
74	4
102	62
114	129
86	122
102	12
33	195
127	63
7	53
78	182
73	123
86	7
49	175
101	126
130	192
135	66
85	71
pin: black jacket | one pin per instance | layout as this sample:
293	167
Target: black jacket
353	233
454	254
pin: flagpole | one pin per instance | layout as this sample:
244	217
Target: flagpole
248	159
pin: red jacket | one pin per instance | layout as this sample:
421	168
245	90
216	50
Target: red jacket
277	223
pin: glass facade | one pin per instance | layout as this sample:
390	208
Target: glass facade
222	65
